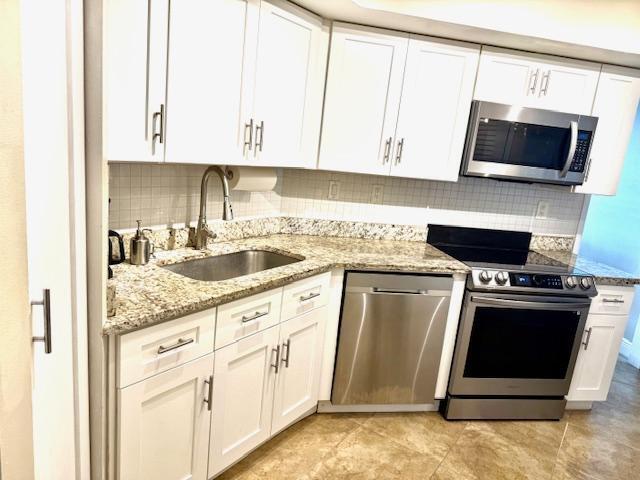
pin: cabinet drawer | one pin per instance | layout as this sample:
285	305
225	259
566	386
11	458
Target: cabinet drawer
612	300
246	316
305	295
153	350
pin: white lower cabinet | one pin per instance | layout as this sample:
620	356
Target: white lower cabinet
600	347
163	424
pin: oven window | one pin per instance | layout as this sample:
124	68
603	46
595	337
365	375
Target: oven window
521	343
500	141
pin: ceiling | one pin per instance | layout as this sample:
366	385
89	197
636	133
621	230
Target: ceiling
606	31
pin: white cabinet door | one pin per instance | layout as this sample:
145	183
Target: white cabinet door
135	61
292	55
242	398
506	77
615	106
568	85
597	358
434	110
298	379
211	61
163	424
364	82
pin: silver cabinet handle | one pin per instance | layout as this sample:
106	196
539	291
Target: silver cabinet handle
533	81
387	150
180	343
544	85
46	307
159	135
285	360
209	399
573	125
259	128
277	364
612	300
248	143
248	318
309	297
586	342
399	151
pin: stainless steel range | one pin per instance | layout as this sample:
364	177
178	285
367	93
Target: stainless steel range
520	328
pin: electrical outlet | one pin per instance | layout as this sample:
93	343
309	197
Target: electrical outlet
543	209
334	190
377	193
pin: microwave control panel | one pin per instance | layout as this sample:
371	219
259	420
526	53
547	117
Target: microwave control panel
582	151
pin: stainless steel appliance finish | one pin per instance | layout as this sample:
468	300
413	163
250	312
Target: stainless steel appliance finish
231	265
527	144
140	248
391	337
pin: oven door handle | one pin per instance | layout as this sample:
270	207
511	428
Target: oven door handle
504	302
572	148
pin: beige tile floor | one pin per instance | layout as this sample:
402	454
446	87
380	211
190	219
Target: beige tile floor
601	444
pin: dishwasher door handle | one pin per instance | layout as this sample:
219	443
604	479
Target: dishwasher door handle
401	291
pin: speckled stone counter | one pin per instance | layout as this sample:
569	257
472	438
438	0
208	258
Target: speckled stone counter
149	294
604	274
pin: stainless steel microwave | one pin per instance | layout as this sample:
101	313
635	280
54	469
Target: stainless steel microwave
527	144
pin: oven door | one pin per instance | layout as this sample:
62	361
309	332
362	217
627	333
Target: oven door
517	345
527	144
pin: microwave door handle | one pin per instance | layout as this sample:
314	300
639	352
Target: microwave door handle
572	148
503	302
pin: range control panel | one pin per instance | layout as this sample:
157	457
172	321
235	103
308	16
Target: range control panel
524	281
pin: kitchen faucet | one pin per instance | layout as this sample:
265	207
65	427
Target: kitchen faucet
203	232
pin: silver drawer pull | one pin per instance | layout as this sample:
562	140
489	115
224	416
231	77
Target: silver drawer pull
277	364
209	399
180	343
248	318
285	360
309	297
612	300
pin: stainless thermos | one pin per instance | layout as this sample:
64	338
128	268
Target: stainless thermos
141	248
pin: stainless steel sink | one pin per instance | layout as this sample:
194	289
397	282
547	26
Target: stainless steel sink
231	265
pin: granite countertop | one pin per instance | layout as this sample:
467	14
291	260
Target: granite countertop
604	274
149	294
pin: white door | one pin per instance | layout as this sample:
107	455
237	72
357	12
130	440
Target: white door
50	202
292	54
434	109
298	379
210	80
506	77
597	358
615	106
362	98
568	85
135	62
242	398
163	424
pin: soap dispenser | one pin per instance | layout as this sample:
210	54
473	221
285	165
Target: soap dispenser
141	248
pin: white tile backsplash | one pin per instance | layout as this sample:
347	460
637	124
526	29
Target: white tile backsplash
162	195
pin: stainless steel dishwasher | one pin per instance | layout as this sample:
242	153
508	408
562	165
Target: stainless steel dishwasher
391	336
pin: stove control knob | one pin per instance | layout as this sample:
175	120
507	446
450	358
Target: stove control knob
501	278
571	282
485	277
585	283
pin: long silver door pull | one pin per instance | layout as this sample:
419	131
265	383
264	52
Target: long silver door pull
586	342
573	143
544	85
277	364
387	150
248	143
399	151
259	139
209	399
160	134
285	360
309	297
534	78
46	307
180	343
249	318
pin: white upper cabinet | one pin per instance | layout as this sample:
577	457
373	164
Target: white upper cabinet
434	109
291	63
135	56
538	81
364	84
211	60
615	106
